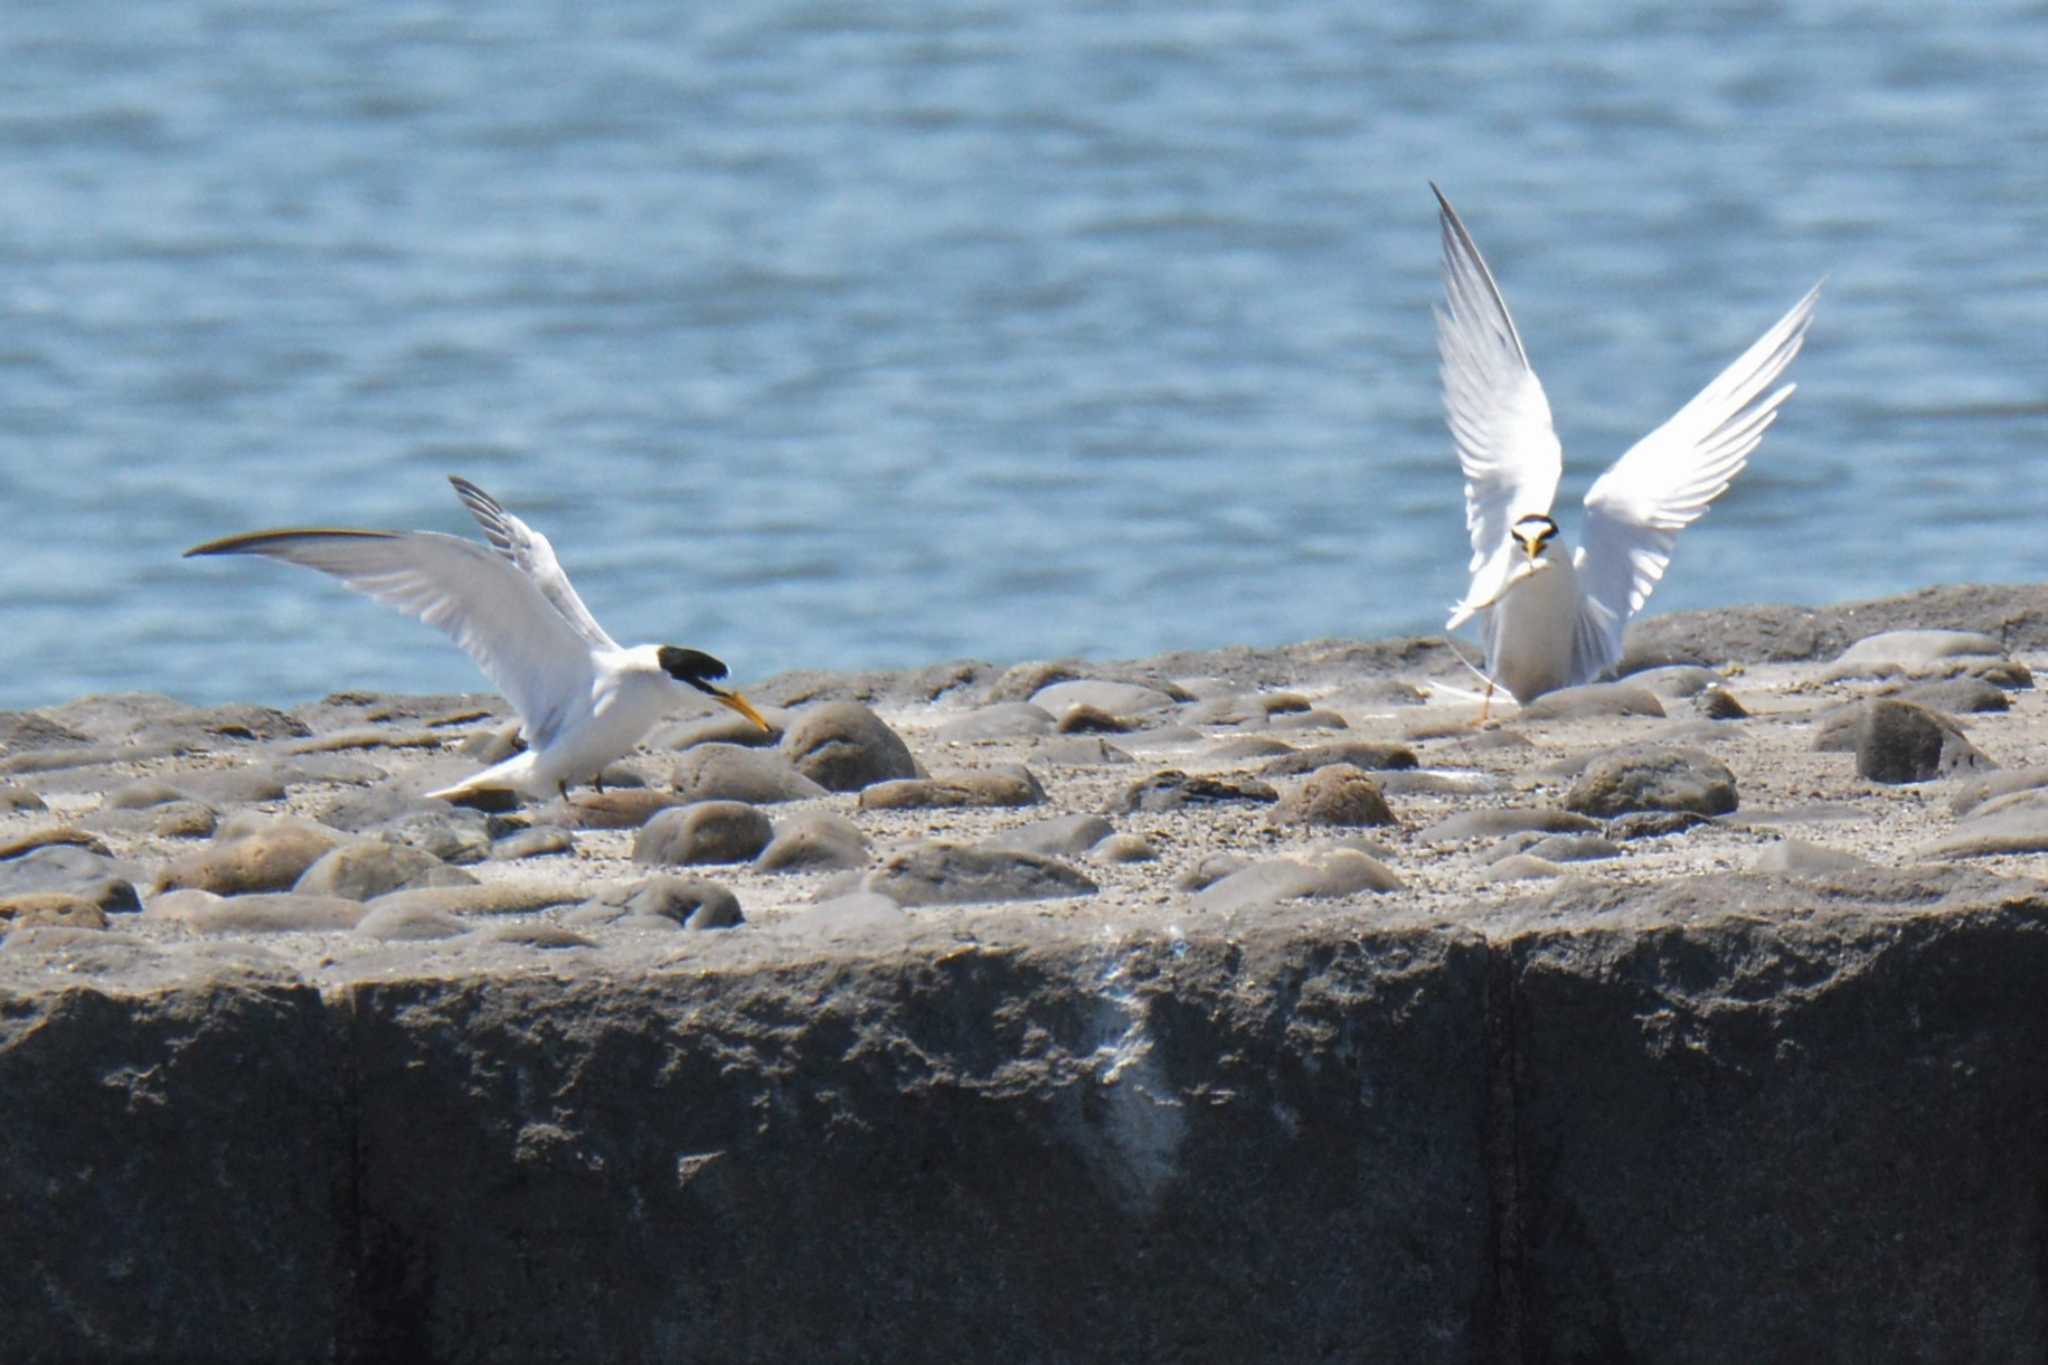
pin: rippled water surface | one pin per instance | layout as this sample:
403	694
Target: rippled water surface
847	334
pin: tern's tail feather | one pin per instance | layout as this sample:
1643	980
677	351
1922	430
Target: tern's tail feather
515	774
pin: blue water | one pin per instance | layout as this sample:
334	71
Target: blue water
849	334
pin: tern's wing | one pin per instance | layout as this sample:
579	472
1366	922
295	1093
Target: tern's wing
1666	480
481	601
1498	415
530	551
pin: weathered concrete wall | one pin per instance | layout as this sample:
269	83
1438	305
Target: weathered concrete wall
1740	1119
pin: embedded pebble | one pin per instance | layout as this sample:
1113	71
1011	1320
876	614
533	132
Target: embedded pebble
1004	720
60	908
726	727
541	841
1239	747
248	857
50	836
1718	703
2015	823
1677	681
1080	751
538	934
1797	856
1654	779
107	882
1425	782
703	832
1325	875
1309	720
1491	824
857	915
942	873
1559	848
1898	742
1083	719
1335	794
815	841
1979	790
368	868
1521	867
141	794
1126	848
689	902
1956	696
843	747
233	786
1653	824
1176	790
1364	754
1592	701
1210	869
1060	836
608	809
274	913
487	898
1113	698
729	772
408	924
1910	648
1005	786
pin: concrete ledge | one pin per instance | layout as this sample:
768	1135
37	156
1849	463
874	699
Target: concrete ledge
1731	1118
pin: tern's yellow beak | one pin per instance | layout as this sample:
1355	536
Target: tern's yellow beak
743	706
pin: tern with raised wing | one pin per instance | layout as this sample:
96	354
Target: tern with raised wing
583	699
1554	619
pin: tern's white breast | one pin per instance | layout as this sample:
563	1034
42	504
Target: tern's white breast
1529	631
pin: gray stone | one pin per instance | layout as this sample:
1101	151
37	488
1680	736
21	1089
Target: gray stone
942	873
1898	742
1004	720
275	913
54	908
172	820
1492	824
728	772
1979	790
1911	648
1330	874
1336	794
107	882
21	731
541	841
1210	869
814	841
1083	719
1317	719
141	794
1594	701
2014	823
843	746
1561	848
232	786
1079	751
1423	782
49	836
1956	696
1126	848
1019	681
1240	747
703	832
608	809
1654	779
1007	786
1678	681
485	898
1176	790
1718	703
1060	836
1653	824
368	868
689	902
726	727
535	934
1114	698
1522	867
249	857
408	924
452	834
1364	754
1798	857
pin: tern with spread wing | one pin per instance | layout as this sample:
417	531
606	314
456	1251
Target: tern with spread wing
583	699
1553	619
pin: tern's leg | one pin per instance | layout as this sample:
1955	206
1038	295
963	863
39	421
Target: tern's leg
1485	703
598	782
563	788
